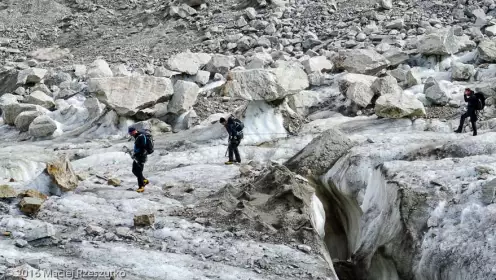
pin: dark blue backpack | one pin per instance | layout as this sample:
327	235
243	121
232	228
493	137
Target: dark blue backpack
148	142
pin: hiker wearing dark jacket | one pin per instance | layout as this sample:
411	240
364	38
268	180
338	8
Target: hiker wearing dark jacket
472	102
234	140
139	157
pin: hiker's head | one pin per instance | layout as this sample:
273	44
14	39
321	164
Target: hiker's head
468	91
222	121
132	131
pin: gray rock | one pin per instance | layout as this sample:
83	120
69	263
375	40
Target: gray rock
321	153
360	93
303	101
21	243
43	230
120	70
202	77
8	80
393	103
435	93
396	24
24	119
31	76
99	69
362	61
386	4
42	126
491	30
127	95
462	72
80	70
439	42
94	230
40	98
188	62
412	78
20	91
241	22
487	50
185	95
250	13
317	64
304	248
164	72
43	88
258	84
220	64
12	110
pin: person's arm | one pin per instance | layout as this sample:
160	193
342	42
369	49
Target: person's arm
465	97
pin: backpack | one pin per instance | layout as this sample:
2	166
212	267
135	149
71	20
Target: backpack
238	127
148	142
481	101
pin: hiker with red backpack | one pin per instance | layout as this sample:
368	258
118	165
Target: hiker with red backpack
143	146
476	102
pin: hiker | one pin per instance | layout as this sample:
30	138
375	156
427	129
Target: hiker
475	102
234	127
139	156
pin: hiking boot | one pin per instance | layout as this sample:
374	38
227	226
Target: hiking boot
458	131
228	162
146	182
140	189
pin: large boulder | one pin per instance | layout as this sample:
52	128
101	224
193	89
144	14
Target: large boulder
40	98
188	62
266	84
362	61
42	126
25	119
317	64
127	95
321	153
291	76
61	172
303	101
439	42
8	81
357	88
435	93
462	72
220	64
99	69
396	106
360	93
12	110
487	50
185	95
31	76
393	103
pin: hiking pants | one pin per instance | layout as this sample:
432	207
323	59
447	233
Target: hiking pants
233	149
138	172
473	120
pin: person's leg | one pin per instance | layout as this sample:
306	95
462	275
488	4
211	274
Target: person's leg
462	120
473	120
138	172
236	151
136	169
231	151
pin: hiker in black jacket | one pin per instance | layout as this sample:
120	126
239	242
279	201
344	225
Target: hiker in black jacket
139	157
234	139
472	101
